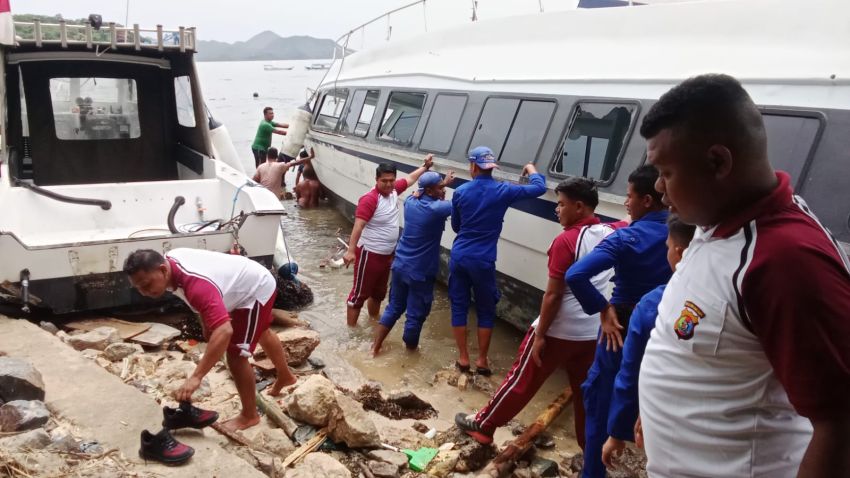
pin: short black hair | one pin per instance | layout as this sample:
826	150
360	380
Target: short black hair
143	260
267	109
579	189
303	154
713	107
681	232
271	153
385	168
643	180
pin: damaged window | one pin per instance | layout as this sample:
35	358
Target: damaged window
95	108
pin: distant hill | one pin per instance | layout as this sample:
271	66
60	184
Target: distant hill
267	45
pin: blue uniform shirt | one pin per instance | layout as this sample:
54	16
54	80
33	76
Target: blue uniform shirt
624	402
418	250
478	211
637	253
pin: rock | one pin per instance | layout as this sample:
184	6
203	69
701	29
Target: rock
34	439
23	415
420	427
451	377
522	473
544	441
275	441
351	424
382	469
117	351
463	381
444	463
156	335
409	400
90	354
97	339
576	463
19	380
388	456
49	327
299	344
62	440
483	384
543	467
318	465
91	447
312	402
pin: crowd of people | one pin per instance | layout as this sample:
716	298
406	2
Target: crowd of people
722	349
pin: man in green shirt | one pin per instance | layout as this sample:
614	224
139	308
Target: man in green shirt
263	139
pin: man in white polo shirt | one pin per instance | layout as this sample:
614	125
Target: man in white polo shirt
747	372
374	238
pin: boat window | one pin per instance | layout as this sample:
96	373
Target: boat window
494	124
185	105
401	117
367	113
95	108
332	107
360	112
527	133
442	123
594	142
790	141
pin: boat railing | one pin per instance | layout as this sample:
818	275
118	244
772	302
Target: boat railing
109	35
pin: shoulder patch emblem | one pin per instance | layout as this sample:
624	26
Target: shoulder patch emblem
687	321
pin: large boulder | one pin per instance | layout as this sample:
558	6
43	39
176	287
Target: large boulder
312	402
319	464
23	415
19	380
33	440
350	424
275	441
119	350
299	344
97	339
394	458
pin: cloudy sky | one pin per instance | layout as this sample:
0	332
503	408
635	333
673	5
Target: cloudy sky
239	20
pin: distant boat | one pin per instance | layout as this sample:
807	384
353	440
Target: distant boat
318	66
276	68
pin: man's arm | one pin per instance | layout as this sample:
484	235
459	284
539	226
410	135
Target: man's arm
349	256
536	186
426	165
256	177
281	132
280	125
455	212
216	347
601	258
549	307
796	297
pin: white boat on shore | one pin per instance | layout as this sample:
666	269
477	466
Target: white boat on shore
318	66
577	113
277	68
108	148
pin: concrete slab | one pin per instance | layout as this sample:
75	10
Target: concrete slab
97	402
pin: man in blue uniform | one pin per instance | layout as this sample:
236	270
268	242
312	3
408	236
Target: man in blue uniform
638	254
478	210
417	260
623	413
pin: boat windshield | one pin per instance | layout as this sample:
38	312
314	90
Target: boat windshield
95	108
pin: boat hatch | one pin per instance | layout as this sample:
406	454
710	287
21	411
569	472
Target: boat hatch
88	121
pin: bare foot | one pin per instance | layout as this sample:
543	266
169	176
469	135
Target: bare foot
376	350
281	382
240	422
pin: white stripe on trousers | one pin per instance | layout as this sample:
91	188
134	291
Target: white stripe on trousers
510	381
250	330
361	272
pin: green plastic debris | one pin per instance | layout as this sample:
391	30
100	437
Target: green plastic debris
418	459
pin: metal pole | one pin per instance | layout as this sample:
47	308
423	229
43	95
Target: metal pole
474	10
425	16
127	13
540	3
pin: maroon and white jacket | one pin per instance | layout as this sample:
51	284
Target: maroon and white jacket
752	341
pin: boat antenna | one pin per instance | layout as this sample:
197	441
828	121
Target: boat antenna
127	13
474	10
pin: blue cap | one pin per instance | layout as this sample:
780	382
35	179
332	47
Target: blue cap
288	271
428	179
483	157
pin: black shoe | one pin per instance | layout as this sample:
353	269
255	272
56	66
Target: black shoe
163	448
187	416
472	428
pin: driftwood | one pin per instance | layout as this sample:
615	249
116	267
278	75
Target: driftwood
307	448
502	463
275	414
235	436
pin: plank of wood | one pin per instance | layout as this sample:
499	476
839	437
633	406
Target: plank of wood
309	447
126	330
235	436
276	415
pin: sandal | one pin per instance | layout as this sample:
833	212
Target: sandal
462	368
483	371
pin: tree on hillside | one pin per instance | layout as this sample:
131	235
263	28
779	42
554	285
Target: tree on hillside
52	33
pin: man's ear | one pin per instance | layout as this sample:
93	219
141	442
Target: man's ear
720	160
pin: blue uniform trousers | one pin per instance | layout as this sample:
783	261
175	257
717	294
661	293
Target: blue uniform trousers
473	278
413	297
597	391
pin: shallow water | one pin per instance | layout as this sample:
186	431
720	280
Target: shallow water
311	236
